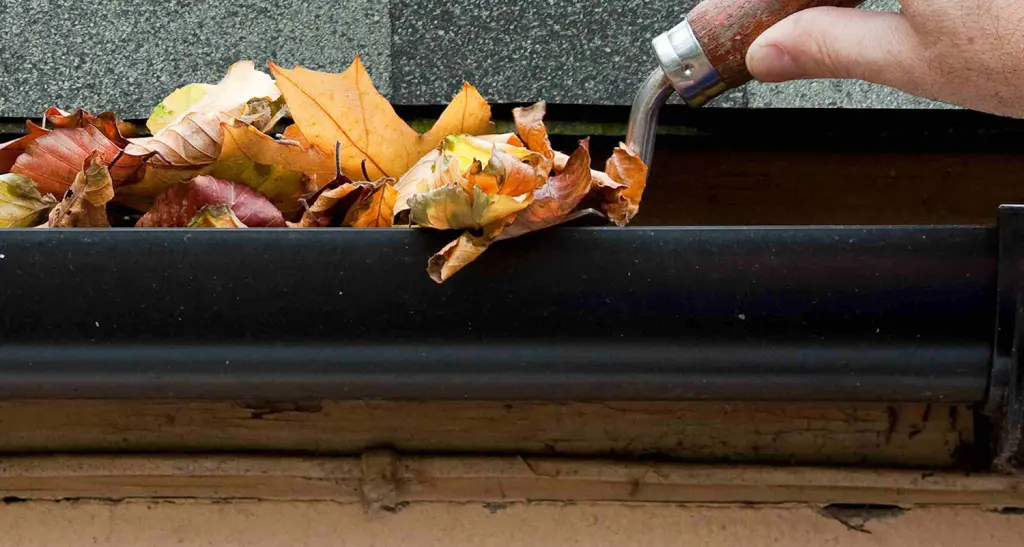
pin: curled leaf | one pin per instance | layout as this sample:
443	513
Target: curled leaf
179	204
215	216
263	114
21	203
628	178
325	208
86	203
457	255
346	108
559	196
505	174
530	126
194	141
471	163
423	177
9	151
54	160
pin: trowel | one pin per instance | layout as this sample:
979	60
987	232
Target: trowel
705	56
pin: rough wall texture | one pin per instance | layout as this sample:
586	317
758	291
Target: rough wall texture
124	56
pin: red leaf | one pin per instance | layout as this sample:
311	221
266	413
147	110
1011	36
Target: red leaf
106	122
55	159
9	151
179	204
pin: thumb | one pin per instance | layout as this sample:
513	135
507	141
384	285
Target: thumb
842	43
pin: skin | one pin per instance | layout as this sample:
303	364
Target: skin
968	53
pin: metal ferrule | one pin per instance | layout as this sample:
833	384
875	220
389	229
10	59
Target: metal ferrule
687	66
643	119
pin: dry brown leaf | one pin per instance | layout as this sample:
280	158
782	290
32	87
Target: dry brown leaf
192	142
559	196
86	203
628	175
215	216
377	210
9	151
530	126
346	108
21	204
54	160
551	204
328	200
456	255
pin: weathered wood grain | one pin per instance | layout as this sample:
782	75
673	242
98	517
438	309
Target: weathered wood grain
909	435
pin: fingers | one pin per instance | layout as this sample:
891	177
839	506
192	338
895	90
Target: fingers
840	43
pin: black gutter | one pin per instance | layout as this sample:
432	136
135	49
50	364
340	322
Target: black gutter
810	313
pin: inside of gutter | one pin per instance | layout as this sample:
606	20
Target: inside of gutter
748	167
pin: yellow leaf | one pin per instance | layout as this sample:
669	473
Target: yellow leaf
346	108
489	208
21	203
375	211
276	169
175	104
497	167
469	149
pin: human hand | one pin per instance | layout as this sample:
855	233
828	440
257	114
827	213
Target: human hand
964	52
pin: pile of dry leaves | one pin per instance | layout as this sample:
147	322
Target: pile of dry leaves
349	160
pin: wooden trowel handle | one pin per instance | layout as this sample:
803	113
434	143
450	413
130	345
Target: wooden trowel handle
726	28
